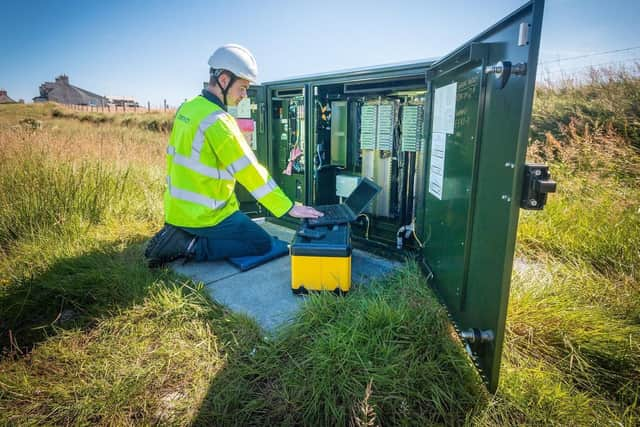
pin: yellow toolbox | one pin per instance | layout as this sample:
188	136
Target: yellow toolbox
322	264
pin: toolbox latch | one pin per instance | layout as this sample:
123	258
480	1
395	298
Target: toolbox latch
537	184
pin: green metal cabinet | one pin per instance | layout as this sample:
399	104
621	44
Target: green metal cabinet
257	140
461	190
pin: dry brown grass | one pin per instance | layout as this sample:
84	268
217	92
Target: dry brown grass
68	140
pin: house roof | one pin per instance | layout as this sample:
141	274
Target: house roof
63	92
69	94
5	99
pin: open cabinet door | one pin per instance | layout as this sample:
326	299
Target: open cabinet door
250	115
478	111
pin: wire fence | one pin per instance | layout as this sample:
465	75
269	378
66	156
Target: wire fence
581	67
119	109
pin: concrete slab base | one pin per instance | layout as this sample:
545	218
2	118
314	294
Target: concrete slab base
264	292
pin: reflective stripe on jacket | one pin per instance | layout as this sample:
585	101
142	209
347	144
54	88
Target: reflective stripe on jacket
207	153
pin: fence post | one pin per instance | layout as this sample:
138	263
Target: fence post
165	105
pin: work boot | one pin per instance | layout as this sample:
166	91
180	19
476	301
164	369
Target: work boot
169	244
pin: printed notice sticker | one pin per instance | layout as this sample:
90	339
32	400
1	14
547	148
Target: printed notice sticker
444	114
444	108
244	108
436	163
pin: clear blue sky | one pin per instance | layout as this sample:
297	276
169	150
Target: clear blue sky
155	50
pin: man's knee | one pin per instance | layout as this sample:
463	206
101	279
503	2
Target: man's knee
253	236
262	243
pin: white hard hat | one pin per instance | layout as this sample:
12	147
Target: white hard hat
237	59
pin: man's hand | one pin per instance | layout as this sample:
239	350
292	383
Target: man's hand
300	211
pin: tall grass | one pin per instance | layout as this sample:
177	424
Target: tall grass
572	353
390	345
60	173
606	98
38	195
596	207
62	196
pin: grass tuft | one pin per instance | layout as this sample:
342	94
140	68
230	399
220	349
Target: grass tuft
389	344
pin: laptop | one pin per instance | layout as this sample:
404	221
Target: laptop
348	211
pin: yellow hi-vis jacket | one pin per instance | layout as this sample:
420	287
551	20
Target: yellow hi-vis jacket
207	153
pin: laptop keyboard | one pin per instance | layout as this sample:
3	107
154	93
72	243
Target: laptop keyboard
333	214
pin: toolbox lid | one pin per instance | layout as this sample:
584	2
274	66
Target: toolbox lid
336	243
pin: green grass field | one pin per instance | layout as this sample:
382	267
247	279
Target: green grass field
90	336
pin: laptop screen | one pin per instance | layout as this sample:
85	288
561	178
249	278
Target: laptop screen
362	195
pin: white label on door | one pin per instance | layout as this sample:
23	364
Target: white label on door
244	108
444	108
436	163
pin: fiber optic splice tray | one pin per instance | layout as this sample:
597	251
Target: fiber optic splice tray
324	263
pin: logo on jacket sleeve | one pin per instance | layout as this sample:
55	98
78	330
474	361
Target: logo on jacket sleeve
183	118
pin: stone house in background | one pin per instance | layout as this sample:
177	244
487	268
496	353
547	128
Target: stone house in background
4	98
64	93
